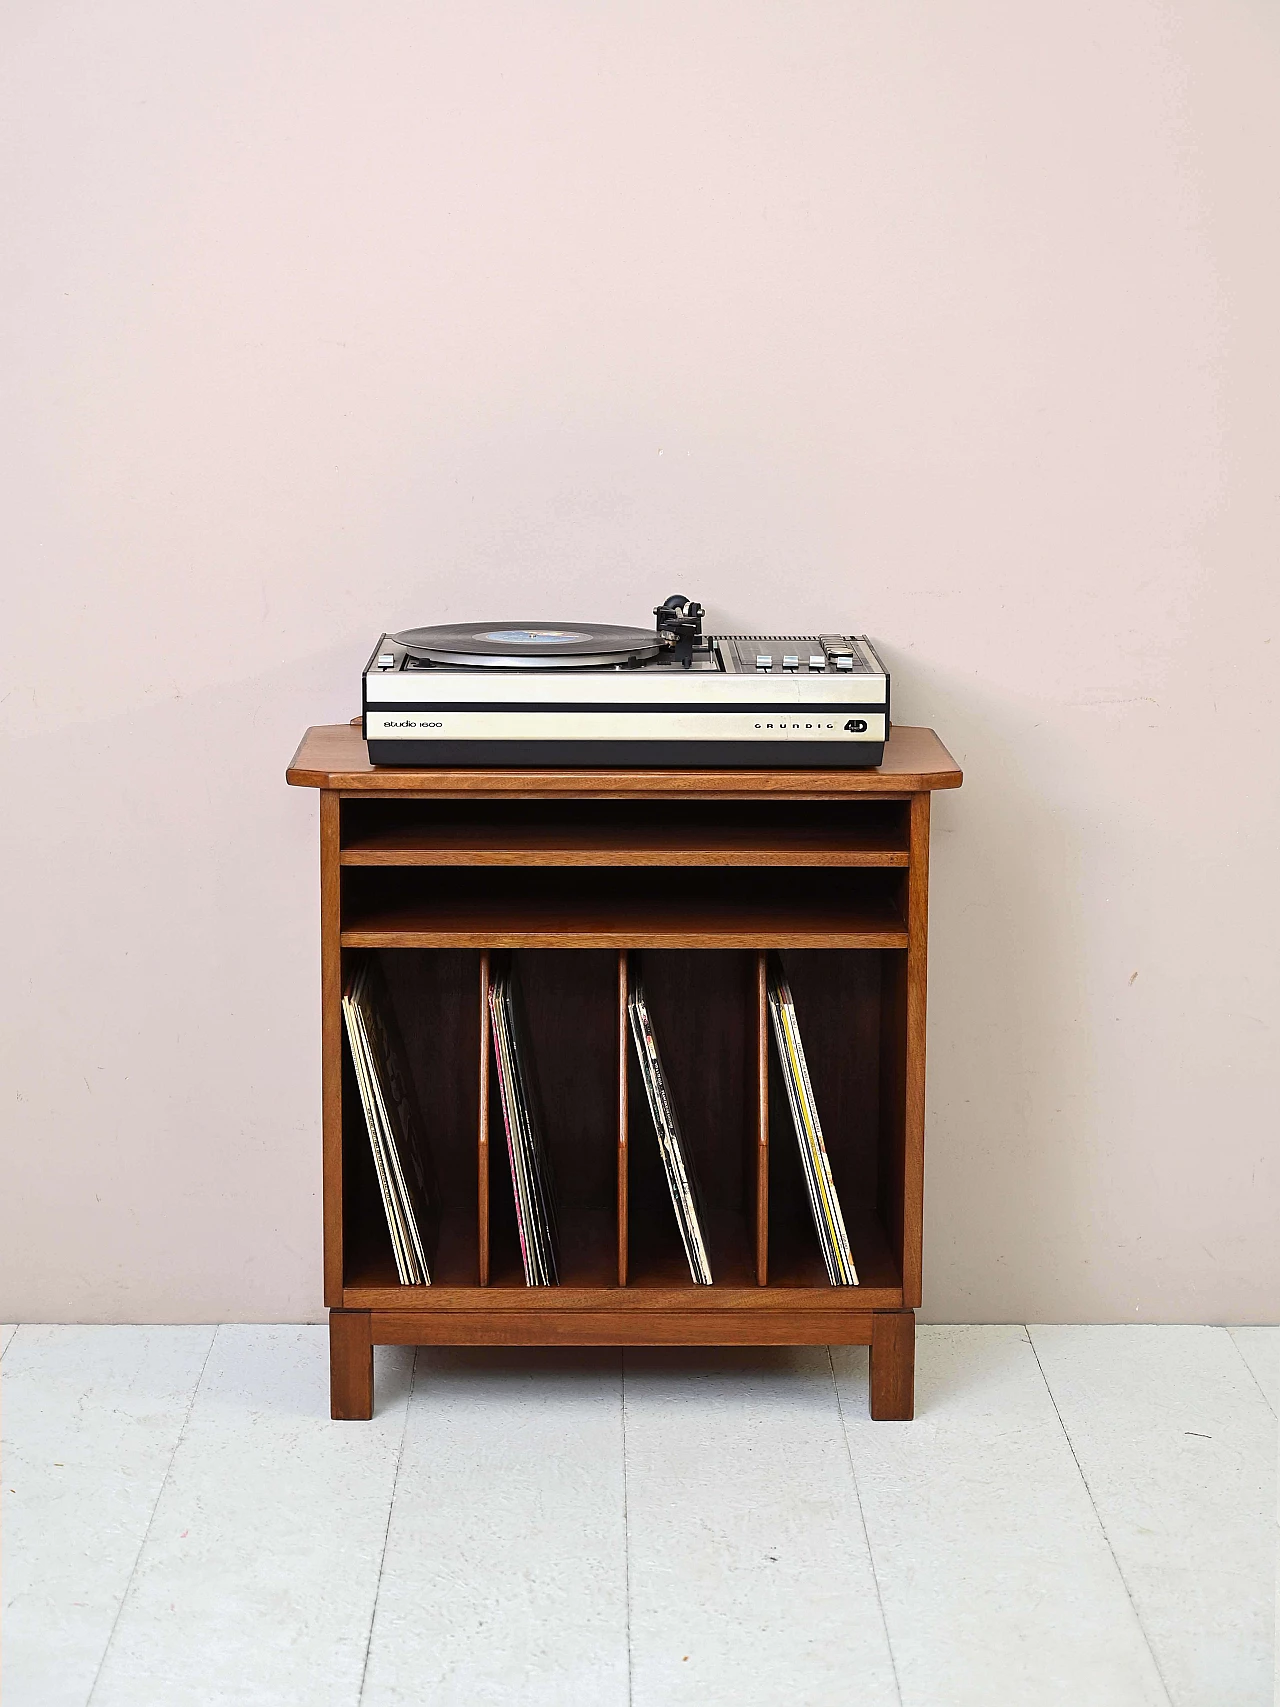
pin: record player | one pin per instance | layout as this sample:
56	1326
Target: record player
574	693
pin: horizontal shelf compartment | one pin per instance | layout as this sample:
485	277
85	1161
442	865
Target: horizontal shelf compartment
659	1279
620	834
547	908
621	1258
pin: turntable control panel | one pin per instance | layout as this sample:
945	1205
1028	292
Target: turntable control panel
795	654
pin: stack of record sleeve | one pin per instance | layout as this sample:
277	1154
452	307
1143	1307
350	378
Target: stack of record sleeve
823	1200
531	1177
400	1155
677	1163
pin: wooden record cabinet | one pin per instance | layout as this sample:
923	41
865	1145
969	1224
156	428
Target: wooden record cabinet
703	872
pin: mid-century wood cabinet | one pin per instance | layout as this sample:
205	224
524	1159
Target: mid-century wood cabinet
441	871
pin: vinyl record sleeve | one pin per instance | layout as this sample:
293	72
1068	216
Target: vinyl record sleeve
824	1201
681	1176
393	1119
405	1270
532	1180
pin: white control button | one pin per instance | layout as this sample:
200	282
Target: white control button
386	660
844	663
817	662
763	660
790	661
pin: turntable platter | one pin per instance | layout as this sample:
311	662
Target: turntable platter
529	645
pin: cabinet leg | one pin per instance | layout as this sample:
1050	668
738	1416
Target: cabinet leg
893	1366
350	1366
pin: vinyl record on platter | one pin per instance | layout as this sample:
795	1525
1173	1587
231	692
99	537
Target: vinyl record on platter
530	645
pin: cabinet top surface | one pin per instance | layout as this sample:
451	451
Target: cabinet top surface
333	755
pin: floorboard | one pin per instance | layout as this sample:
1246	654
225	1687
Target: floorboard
1260	1348
1178	1447
1077	1515
505	1571
257	1580
91	1419
751	1582
997	1581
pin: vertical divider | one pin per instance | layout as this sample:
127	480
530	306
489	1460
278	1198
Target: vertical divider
624	1213
762	1118
482	1135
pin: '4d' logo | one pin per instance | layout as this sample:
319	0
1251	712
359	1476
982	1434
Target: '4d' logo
856	726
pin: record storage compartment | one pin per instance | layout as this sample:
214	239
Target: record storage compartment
443	874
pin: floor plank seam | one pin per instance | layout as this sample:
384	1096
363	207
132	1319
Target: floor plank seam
1252	1376
866	1535
391	1506
626	1522
1124	1581
155	1506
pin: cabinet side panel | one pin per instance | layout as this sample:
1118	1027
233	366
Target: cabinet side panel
917	957
331	1042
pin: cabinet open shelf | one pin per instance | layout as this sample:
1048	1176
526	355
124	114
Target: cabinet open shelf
625	833
549	907
589	880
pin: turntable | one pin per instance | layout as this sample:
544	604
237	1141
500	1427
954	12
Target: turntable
574	693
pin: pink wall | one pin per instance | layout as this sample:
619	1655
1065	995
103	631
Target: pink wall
956	323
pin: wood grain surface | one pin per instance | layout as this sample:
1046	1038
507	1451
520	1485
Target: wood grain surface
629	844
913	1128
449	875
725	1326
482	1133
547	907
760	1195
350	1366
331	1045
893	1366
333	755
624	1120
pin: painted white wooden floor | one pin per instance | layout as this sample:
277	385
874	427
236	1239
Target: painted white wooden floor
1078	1515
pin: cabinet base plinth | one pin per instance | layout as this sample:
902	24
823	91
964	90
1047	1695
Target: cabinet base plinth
889	1333
554	1326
